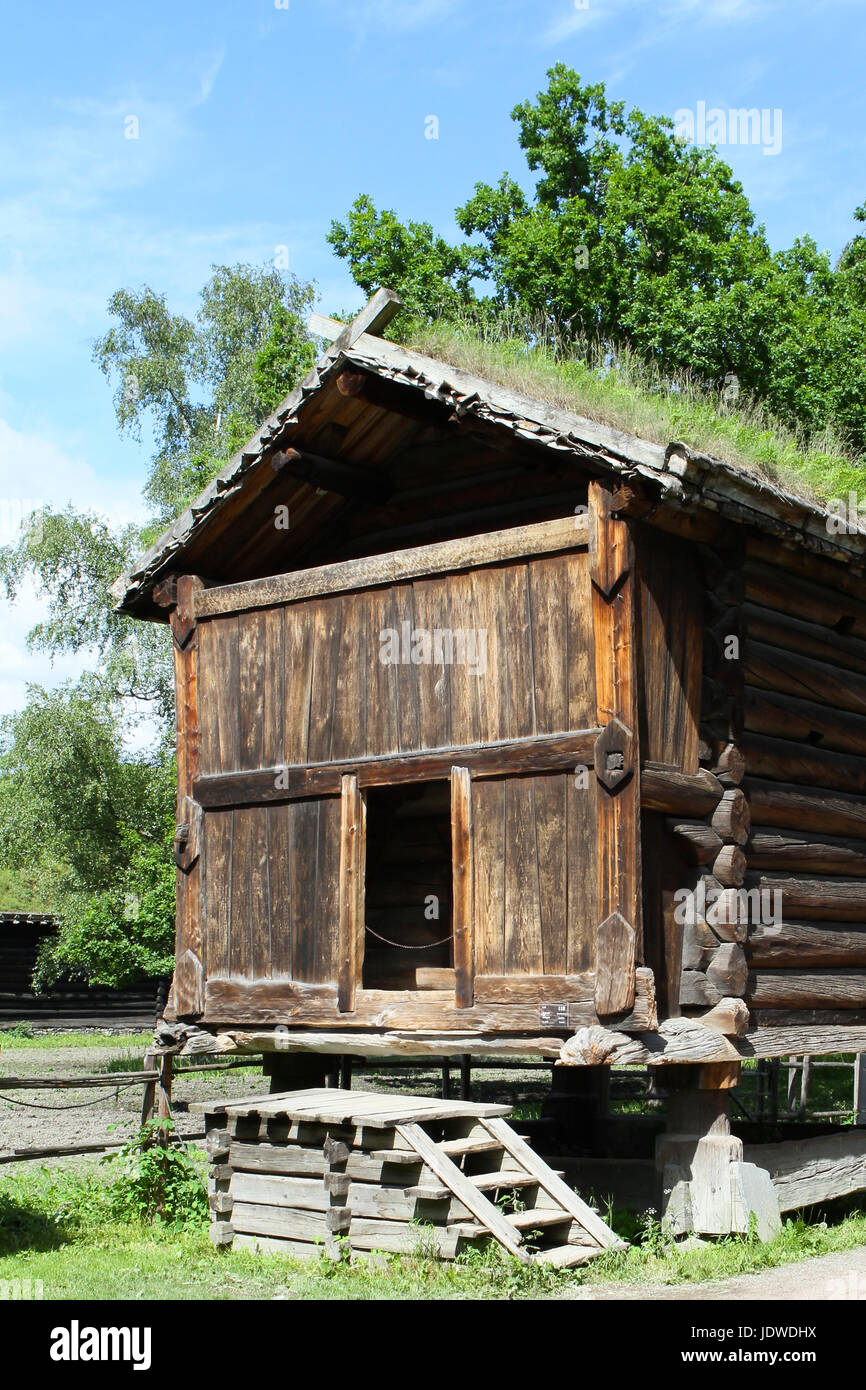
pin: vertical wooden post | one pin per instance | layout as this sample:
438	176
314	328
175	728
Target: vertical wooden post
706	1187
295	1071
148	1099
611	558
165	1067
805	1078
860	1089
463	885
353	857
465	1076
187	991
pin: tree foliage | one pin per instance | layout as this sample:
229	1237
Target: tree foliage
87	770
195	381
630	236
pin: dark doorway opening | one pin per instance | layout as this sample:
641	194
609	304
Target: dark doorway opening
408	943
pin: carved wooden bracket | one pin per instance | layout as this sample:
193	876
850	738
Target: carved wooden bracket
187	836
614	755
614	972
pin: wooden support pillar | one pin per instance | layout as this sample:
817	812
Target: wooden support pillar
617	763
465	1076
353	856
860	1089
706	1187
148	1099
578	1102
295	1071
187	993
463	887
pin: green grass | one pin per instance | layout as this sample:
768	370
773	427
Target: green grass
56	1226
634	397
49	1041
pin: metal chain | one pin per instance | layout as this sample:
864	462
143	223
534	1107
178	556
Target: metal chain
79	1105
402	946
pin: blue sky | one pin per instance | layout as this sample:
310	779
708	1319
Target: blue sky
259	123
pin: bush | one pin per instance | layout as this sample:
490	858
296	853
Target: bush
159	1182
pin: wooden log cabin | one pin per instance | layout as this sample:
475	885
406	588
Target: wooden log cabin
502	731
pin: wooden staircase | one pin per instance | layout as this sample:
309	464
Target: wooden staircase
307	1170
509	1193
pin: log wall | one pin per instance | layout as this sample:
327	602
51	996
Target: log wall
804	743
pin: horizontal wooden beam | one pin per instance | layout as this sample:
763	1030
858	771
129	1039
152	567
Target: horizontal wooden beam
443	557
787	989
782	1040
333	475
809	1171
383	1043
796	807
240	1002
51	1083
264	786
795	945
679	793
806	852
533	989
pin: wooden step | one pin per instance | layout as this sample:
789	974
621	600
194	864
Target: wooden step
537	1217
566	1256
407	1156
456	1148
453	1148
485	1182
533	1220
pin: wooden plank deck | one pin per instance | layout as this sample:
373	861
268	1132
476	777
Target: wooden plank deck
332	1106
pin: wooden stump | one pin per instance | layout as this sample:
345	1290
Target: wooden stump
706	1187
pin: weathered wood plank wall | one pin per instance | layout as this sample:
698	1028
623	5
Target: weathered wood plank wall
306	683
804	666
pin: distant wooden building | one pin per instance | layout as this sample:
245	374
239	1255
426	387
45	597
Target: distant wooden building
68	1003
502	730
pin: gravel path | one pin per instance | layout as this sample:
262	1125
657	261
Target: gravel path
42	1118
826	1277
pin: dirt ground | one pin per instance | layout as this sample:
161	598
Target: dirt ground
42	1118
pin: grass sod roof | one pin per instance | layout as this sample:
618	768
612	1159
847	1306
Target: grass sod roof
766	479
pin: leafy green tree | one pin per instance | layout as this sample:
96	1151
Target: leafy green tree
632	237
284	358
87	772
433	278
194	381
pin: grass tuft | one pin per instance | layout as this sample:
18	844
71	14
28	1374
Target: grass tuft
628	394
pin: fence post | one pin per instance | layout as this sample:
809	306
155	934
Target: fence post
148	1099
804	1086
163	1110
792	1083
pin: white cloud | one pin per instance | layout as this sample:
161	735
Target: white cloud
209	76
570	20
35	470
